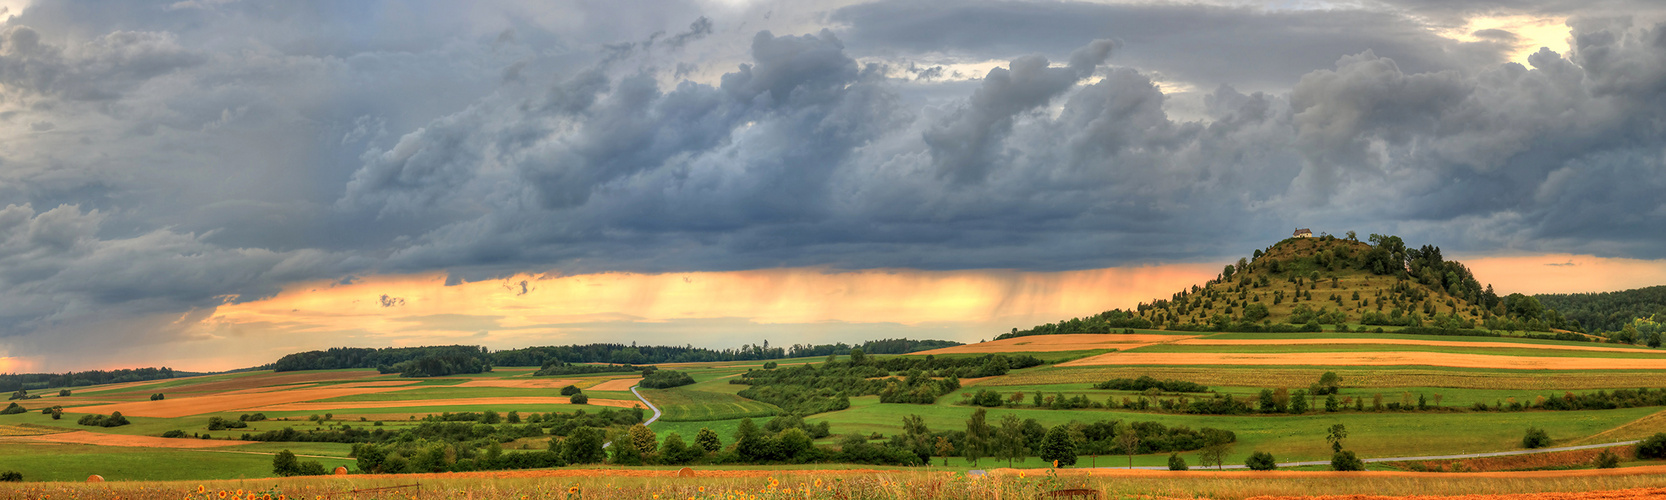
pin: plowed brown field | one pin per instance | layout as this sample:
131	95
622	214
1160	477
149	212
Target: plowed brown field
1055	343
1438	343
1370	359
84	437
358	405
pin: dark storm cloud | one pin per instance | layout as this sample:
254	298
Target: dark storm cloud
1202	44
177	173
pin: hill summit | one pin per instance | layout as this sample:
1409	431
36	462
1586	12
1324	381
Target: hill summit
1305	283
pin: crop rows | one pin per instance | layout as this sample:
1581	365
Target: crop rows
1352	377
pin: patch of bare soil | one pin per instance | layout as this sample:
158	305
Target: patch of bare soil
84	437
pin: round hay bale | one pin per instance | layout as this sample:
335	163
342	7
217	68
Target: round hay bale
685	472
340	471
95	478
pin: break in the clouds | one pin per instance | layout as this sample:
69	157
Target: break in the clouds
161	159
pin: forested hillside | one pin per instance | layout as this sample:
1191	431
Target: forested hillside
1609	311
1302	284
35	381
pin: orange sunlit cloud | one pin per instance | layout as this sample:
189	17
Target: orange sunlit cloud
1565	273
422	302
727	309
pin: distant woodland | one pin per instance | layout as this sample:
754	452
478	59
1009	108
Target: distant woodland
37	381
1609	311
448	360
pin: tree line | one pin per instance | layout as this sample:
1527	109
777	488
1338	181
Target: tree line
809	389
431	360
38	381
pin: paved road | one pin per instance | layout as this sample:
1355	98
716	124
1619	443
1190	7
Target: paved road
650	406
1430	457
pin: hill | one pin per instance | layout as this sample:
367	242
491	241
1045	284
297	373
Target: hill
1300	284
1609	311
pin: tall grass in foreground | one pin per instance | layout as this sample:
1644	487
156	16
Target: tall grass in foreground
832	485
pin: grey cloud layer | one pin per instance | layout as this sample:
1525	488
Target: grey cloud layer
154	166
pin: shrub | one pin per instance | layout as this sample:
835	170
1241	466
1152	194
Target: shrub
1177	463
1261	460
95	420
285	464
1608	459
579	399
64	393
11	476
770	365
12	409
1535	438
157	397
312	468
1653	447
570	390
176	433
1346	460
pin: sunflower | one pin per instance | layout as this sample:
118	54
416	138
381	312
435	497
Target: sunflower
222	493
201	489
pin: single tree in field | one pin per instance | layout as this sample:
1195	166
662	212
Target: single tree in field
707	440
1214	453
1535	438
1129	441
1261	460
978	436
1335	435
1058	447
1010	438
944	449
644	439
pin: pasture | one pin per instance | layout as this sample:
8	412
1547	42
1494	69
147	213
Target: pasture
1395	368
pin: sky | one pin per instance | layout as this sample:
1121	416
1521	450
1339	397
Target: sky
211	184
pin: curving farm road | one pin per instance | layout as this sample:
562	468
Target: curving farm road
650	406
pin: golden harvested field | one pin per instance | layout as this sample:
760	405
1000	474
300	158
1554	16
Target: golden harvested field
27	430
359	405
1054	343
623	384
1358	377
1438	343
1370	359
180	406
642	484
101	439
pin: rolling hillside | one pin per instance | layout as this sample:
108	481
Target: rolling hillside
1305	284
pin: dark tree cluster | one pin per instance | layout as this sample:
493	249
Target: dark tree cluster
338	358
1110	321
666	379
438	366
809	389
38	381
555	367
1608	311
115	419
1147	382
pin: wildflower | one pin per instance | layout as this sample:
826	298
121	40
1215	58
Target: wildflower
702	489
1020	474
201	489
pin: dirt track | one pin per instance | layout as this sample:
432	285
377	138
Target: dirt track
101	439
359	405
1370	359
1438	343
1054	343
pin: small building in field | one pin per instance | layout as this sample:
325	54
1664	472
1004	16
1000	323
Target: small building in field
1303	233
